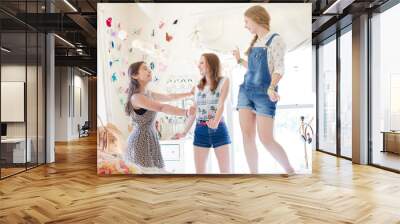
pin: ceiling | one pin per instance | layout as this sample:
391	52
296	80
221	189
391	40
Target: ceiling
76	22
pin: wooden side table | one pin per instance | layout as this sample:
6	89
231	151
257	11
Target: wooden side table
391	141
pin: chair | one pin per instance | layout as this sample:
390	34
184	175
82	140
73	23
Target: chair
84	130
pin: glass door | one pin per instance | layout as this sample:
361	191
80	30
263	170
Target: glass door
346	93
327	96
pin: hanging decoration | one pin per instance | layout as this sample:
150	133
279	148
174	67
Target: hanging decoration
109	21
137	31
168	37
114	77
122	35
161	25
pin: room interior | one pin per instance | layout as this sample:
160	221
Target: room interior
355	164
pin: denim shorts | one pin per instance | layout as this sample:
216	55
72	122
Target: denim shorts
256	99
211	138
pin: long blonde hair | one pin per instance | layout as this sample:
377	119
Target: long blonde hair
260	16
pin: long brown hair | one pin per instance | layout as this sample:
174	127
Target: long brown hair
214	67
134	85
260	16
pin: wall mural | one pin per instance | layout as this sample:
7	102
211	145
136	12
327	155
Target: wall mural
171	48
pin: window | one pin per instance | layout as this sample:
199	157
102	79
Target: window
385	89
327	96
22	65
297	99
346	94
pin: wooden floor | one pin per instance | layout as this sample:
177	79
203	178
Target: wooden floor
10	171
387	159
69	191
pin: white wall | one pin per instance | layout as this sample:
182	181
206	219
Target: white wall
201	28
68	83
33	127
61	103
12	73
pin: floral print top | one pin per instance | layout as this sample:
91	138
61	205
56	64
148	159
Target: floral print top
207	101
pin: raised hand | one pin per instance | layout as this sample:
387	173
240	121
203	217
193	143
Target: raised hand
236	54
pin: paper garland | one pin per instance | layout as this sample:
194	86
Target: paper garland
118	36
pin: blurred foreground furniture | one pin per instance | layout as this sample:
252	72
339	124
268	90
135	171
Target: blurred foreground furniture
391	141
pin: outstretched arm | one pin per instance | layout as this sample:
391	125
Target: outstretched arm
188	126
172	96
142	101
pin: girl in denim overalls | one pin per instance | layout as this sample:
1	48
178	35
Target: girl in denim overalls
258	94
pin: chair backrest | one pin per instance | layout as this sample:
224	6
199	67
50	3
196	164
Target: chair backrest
86	124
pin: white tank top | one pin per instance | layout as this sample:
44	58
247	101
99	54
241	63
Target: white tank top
207	101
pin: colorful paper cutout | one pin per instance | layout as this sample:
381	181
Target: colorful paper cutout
120	89
114	77
122	35
161	25
137	31
162	67
109	21
168	37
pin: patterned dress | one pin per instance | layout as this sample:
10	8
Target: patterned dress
143	145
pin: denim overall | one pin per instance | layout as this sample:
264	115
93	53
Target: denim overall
253	92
